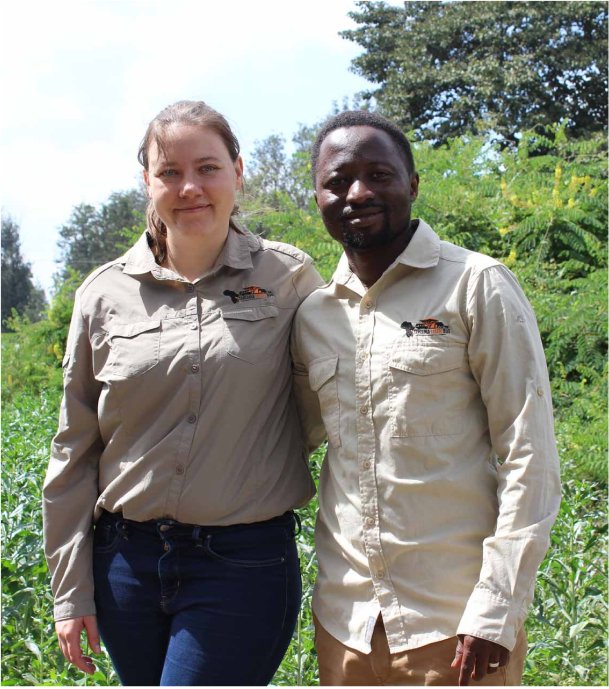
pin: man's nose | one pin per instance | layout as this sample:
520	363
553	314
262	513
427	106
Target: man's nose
359	192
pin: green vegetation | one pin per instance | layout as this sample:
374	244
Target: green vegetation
452	68
459	76
19	294
541	209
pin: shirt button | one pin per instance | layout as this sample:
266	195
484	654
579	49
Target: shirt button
366	465
540	392
363	410
195	368
192	418
190	288
179	470
368	304
194	326
380	574
370	521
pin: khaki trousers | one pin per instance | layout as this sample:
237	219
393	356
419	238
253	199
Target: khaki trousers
428	665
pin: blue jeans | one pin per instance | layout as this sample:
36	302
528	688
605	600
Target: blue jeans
187	605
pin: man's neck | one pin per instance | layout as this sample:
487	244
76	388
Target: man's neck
370	264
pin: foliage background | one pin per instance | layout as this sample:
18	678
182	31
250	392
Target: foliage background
535	197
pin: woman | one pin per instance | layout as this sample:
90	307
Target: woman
178	436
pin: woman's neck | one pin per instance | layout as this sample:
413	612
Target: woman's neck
192	257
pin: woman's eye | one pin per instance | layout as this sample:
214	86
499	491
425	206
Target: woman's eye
169	173
208	168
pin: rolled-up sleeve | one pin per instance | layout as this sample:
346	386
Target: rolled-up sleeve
507	360
71	485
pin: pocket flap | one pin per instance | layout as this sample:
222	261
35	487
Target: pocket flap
132	329
256	313
321	370
427	360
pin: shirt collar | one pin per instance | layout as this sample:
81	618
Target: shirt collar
236	253
423	251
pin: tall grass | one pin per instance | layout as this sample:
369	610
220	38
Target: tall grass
567	627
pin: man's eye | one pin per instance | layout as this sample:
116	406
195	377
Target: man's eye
169	173
336	182
380	175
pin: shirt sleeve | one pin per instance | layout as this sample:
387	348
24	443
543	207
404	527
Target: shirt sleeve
508	362
306	279
307	401
71	485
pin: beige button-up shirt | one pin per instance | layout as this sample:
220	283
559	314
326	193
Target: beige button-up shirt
441	481
177	402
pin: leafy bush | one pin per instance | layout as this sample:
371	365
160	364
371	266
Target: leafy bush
542	214
567	626
33	352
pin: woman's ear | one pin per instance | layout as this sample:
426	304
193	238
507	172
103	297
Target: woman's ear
239	173
147	183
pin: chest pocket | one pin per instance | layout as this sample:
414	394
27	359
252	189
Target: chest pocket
322	379
134	347
253	334
425	386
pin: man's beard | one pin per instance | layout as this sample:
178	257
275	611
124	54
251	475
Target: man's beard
363	239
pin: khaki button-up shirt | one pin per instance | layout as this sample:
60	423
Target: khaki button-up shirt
441	480
177	402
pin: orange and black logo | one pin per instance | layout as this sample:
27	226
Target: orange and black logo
426	326
248	294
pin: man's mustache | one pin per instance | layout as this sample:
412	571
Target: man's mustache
355	210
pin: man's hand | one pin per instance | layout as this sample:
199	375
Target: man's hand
68	633
476	657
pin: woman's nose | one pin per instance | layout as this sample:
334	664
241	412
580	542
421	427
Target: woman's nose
188	187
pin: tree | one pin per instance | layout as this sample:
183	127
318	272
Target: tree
447	68
279	180
18	289
93	236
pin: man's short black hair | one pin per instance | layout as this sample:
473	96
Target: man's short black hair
362	118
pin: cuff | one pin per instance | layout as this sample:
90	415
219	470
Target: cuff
70	609
490	616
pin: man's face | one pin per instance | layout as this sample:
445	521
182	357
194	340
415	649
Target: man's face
362	187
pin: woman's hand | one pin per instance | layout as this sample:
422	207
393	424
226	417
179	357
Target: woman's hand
68	633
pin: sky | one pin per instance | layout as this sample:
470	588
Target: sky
81	79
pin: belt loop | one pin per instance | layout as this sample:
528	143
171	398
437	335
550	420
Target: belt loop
120	525
298	524
197	538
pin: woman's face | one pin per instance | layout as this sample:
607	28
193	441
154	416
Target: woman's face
193	181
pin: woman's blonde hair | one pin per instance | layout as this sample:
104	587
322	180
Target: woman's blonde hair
187	112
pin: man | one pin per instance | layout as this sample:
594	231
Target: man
441	481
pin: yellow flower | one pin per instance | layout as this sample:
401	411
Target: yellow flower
511	259
558	172
571	203
503	231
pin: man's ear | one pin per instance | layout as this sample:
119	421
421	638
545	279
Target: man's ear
414	186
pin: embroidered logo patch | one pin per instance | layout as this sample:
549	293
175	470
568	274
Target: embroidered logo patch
248	293
426	326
